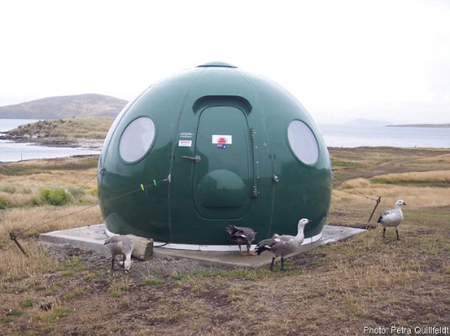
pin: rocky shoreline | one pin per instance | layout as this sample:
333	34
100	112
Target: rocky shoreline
86	133
93	144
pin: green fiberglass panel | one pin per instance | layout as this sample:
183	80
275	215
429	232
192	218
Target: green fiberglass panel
210	147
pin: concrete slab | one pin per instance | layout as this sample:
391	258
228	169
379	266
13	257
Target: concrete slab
92	237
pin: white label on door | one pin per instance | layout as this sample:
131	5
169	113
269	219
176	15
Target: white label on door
222	139
184	143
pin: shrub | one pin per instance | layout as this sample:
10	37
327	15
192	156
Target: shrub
55	196
4	203
28	303
35	201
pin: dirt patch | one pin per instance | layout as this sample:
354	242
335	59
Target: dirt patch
154	267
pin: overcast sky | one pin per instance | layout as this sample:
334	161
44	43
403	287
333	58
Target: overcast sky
382	59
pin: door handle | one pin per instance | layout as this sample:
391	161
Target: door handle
196	158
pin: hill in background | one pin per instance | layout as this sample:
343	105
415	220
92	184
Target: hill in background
85	105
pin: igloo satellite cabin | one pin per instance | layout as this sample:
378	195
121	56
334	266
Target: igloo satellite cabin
209	147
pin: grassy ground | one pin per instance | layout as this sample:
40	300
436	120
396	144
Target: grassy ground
336	289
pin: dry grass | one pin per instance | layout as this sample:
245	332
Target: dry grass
444	158
21	183
416	197
336	289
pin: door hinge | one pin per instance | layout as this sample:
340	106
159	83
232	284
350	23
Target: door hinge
255	191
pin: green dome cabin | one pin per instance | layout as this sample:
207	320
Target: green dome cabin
209	147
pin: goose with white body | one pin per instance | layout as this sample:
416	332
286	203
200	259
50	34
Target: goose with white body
123	245
283	245
392	217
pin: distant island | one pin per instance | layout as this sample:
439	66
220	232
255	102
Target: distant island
76	106
422	125
71	132
383	123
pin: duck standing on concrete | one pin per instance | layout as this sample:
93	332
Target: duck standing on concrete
283	245
120	245
241	235
392	217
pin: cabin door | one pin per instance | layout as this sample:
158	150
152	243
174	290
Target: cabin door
222	187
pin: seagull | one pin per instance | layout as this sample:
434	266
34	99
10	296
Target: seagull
120	245
241	235
392	217
283	245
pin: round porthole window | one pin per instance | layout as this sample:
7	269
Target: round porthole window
303	143
137	139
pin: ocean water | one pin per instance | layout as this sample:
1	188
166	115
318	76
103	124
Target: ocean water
348	135
14	151
9	124
351	135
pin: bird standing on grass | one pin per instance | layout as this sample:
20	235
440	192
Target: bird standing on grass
241	235
120	245
392	217
283	245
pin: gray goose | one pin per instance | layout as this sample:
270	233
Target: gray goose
242	236
392	217
120	245
283	245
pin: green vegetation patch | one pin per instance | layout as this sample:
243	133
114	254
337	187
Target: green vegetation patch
54	315
56	196
4	203
28	303
336	164
153	282
410	182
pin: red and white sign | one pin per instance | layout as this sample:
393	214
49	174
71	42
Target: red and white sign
222	139
184	143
